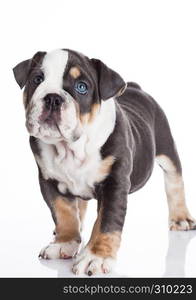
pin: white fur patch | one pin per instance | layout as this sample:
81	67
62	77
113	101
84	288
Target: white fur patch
53	66
91	264
59	250
75	165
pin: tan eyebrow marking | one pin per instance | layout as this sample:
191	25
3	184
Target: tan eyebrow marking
75	72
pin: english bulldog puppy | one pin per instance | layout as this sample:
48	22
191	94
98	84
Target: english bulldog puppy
94	136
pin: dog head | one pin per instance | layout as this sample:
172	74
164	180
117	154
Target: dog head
63	92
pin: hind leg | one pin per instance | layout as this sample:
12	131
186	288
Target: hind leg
167	157
179	216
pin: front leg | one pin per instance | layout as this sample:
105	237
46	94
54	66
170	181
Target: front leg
100	253
65	214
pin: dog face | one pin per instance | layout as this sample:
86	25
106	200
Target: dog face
63	93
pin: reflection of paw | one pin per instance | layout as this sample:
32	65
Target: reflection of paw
60	250
91	264
186	224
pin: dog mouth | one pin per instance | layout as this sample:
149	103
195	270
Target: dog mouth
49	127
49	117
58	129
52	128
51	123
50	120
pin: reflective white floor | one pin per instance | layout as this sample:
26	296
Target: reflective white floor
148	249
177	262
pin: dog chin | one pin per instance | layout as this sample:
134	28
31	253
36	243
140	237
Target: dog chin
53	136
47	135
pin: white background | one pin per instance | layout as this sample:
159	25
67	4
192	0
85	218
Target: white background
151	42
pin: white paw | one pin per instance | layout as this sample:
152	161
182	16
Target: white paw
187	224
60	250
91	264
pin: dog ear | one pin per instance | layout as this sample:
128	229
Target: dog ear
110	83
21	70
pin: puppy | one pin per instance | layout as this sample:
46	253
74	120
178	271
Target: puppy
94	136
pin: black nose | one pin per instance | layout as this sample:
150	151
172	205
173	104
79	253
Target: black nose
53	101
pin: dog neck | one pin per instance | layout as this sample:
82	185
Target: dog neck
94	135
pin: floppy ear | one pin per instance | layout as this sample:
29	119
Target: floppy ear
110	83
21	72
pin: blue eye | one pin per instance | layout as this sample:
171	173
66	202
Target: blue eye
81	87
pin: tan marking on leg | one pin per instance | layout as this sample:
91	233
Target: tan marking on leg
67	227
105	167
107	244
67	238
75	72
179	216
104	244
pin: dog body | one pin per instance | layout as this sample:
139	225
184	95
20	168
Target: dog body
93	136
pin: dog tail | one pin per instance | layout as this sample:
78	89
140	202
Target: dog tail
133	85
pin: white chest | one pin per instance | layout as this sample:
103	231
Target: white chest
76	174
